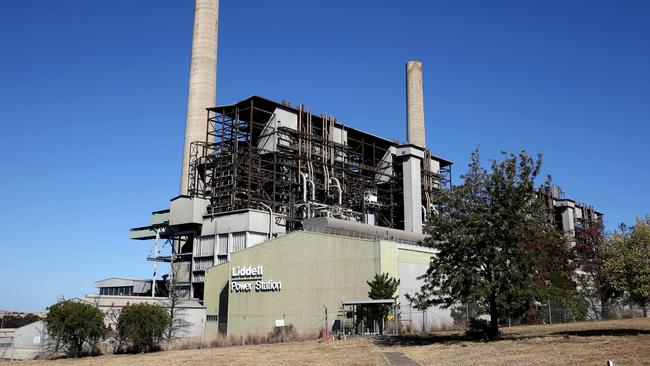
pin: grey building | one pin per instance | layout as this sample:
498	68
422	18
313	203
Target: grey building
567	214
24	343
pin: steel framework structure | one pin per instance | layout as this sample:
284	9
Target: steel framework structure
307	173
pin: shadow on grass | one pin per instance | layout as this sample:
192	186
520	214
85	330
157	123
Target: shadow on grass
603	332
422	340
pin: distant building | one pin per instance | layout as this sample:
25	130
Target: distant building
116	293
117	286
568	215
24	343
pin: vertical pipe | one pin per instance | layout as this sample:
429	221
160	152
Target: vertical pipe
270	218
203	79
414	104
155	264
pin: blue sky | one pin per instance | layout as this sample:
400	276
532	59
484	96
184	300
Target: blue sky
93	97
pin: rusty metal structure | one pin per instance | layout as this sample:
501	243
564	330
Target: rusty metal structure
260	154
567	215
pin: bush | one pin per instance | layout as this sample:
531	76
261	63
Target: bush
75	327
141	327
478	329
281	334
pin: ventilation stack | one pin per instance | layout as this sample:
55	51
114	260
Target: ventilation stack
203	79
414	104
412	154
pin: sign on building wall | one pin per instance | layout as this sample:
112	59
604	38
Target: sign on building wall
250	278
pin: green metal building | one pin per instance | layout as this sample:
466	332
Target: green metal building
302	273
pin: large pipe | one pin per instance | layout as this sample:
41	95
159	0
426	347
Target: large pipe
304	187
270	218
414	104
203	79
340	191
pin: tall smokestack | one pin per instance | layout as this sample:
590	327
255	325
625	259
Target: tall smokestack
414	104
203	78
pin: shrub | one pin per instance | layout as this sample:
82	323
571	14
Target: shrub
281	334
75	327
141	327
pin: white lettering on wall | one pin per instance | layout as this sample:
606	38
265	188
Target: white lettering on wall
240	274
240	286
246	272
261	286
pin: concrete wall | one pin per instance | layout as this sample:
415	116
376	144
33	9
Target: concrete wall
412	264
245	220
27	342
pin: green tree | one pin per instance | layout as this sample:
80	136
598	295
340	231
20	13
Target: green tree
142	326
495	245
629	264
382	287
75	327
591	253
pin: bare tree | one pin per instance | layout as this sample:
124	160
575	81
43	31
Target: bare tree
177	296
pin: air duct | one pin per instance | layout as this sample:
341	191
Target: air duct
203	79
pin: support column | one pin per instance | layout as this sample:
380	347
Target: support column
411	157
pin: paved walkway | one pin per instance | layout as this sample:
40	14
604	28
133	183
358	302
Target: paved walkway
399	359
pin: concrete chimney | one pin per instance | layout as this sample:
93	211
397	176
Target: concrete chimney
203	78
414	104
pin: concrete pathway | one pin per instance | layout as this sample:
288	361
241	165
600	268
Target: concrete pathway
399	359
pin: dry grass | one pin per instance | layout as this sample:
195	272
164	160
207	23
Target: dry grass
220	340
626	342
358	351
630	350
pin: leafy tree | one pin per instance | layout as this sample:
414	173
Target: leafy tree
551	277
75	327
382	286
591	253
142	326
495	245
629	265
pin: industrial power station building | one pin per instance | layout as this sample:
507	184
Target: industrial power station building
288	214
284	214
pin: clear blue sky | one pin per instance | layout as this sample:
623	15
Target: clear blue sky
93	97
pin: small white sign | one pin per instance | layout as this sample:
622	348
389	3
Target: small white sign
279	323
